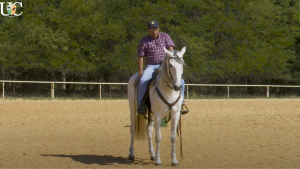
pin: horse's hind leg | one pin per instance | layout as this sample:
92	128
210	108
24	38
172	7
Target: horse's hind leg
132	107
131	149
150	131
132	131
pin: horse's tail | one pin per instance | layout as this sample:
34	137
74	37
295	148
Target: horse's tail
138	123
140	128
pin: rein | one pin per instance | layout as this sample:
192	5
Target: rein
170	105
165	101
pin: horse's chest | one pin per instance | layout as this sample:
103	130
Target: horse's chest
158	105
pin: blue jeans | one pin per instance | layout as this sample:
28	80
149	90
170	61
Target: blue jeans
145	79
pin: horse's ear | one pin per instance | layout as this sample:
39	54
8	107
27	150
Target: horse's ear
183	50
168	52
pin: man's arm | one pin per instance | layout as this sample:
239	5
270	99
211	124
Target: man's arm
169	42
141	63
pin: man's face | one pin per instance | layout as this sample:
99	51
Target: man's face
154	32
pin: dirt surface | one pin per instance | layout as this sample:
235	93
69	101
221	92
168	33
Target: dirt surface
254	133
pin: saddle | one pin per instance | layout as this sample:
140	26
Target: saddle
152	82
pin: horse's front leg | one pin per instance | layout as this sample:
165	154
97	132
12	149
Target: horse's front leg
150	131
174	124
158	138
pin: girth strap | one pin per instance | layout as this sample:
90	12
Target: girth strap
166	102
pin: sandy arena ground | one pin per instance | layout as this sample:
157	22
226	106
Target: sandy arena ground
259	133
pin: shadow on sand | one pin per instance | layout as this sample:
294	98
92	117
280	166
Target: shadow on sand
100	160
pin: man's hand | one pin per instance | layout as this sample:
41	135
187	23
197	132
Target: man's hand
170	48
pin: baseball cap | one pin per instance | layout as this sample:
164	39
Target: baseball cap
152	24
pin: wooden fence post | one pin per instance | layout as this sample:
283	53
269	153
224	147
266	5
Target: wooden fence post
52	90
3	90
99	91
267	91
187	92
228	91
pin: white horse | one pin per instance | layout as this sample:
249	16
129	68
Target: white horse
166	100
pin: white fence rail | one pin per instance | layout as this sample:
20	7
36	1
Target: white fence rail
52	90
228	87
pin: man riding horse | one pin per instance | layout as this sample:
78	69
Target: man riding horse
152	48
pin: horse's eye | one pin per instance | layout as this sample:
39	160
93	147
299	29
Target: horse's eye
171	65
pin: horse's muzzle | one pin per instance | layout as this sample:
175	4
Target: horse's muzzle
177	87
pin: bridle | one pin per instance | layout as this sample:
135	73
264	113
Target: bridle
177	59
170	105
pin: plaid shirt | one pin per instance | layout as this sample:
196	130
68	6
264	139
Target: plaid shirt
153	49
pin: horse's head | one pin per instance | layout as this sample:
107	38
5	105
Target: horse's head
174	67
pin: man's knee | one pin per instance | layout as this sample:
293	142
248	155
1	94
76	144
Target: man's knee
145	79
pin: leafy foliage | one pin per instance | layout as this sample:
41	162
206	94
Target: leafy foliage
228	41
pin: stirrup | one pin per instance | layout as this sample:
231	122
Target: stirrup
142	109
184	110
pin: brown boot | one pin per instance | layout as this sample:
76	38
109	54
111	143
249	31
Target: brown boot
184	110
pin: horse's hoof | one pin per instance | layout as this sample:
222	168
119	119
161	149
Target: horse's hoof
152	158
174	164
131	158
158	164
